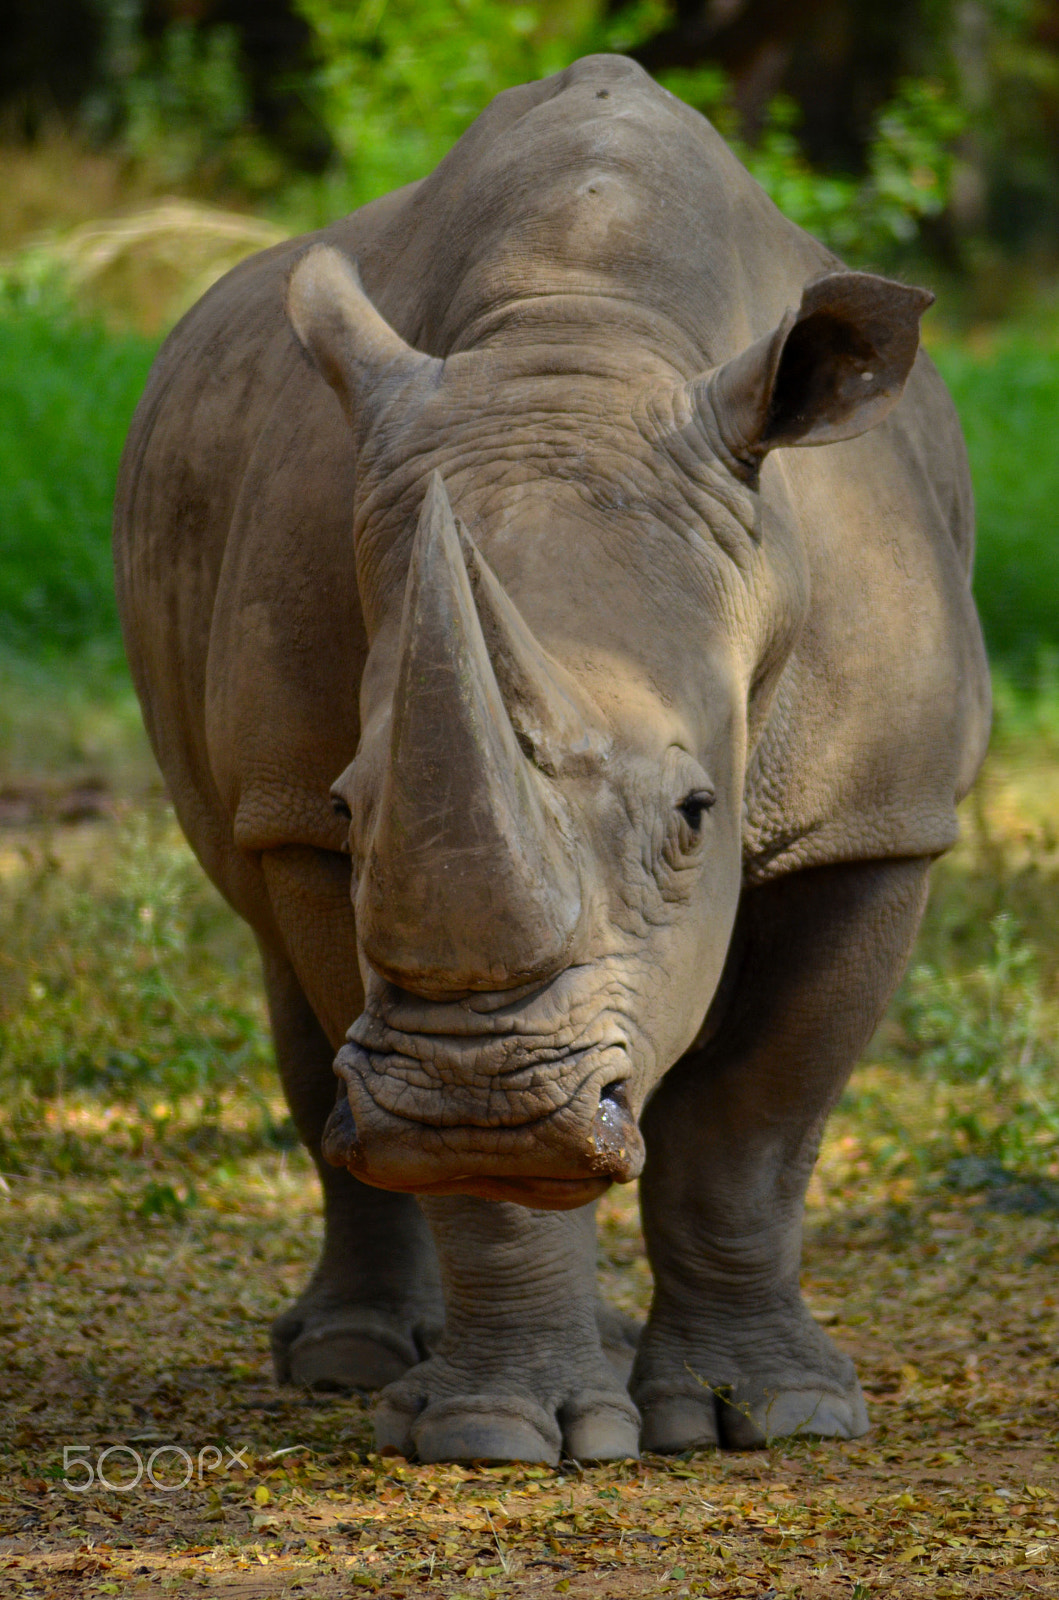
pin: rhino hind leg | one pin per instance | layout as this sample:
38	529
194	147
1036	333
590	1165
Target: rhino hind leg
374	1301
520	1372
731	1355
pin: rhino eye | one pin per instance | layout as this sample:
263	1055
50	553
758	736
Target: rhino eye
694	806
340	808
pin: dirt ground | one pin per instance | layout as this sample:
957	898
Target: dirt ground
142	1258
152	1332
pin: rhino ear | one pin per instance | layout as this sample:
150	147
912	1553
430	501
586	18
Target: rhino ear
361	356
831	370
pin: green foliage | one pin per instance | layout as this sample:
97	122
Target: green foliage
910	164
400	80
187	109
1004	65
67	391
1008	400
179	104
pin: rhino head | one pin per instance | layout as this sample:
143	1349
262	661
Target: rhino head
578	615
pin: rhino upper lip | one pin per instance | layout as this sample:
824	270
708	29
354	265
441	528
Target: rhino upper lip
484	1061
381	1064
576	1132
473	1016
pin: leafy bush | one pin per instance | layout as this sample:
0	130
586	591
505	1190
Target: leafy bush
178	104
400	81
864	219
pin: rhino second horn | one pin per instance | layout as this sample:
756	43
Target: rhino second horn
539	697
470	881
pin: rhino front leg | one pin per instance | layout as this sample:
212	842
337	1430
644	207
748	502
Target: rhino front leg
520	1372
374	1300
731	1354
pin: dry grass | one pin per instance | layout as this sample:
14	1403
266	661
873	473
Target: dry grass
57	183
143	269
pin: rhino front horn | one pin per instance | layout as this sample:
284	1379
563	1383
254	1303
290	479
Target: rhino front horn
470	881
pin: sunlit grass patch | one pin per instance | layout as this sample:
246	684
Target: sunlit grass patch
67	722
960	1088
130	1006
963	1087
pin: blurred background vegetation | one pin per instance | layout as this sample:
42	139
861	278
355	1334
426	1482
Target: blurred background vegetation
871	123
146	145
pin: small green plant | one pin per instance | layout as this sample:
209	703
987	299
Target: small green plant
163	1201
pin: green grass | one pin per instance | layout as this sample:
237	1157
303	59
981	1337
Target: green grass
67	392
1008	400
129	991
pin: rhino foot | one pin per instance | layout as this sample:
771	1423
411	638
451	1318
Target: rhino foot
743	1389
347	1347
435	1414
746	1417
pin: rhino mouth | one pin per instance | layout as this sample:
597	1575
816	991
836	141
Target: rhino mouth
397	1125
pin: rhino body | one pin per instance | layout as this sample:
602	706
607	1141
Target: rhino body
574	740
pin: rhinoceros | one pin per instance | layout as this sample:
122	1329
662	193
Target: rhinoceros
548	593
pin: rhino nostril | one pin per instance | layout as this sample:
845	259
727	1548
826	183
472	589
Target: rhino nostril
616	1140
613	1120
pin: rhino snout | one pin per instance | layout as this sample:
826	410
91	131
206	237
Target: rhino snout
389	1135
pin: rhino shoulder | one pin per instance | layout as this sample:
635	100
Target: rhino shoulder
881	717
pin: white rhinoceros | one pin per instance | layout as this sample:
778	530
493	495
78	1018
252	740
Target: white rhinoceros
574	740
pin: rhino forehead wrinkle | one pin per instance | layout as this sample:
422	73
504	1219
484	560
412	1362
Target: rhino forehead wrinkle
548	589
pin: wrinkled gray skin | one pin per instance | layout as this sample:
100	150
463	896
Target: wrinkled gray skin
607	610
